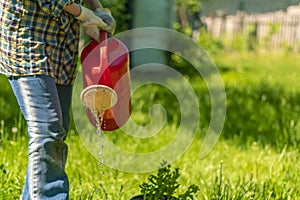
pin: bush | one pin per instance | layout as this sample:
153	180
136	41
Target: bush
164	186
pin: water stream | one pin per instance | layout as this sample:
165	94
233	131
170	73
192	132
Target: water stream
99	119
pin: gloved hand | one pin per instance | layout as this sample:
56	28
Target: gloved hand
108	19
91	23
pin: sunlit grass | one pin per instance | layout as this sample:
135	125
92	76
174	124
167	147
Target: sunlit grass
277	67
271	175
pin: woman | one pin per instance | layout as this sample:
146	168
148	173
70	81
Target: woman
38	54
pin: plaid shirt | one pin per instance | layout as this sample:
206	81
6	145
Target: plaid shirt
38	37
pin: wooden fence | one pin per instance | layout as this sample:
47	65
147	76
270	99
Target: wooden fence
277	29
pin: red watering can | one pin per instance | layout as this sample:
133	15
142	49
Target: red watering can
106	82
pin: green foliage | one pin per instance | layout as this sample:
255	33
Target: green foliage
248	188
210	43
243	41
120	13
7	101
260	106
259	145
252	41
11	116
244	173
264	113
191	5
237	43
185	10
11	181
9	186
273	29
164	185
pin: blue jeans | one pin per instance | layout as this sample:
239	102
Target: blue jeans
45	107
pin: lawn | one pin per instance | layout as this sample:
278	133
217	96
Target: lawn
256	157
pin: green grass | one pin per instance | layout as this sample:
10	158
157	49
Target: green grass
262	97
257	156
274	67
239	173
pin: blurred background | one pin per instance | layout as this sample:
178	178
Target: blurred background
267	23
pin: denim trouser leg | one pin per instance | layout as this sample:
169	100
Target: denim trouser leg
65	98
40	100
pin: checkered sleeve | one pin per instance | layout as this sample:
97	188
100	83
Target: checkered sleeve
54	7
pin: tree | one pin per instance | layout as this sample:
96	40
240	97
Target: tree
119	9
187	15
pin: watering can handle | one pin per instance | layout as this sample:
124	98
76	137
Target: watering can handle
103	37
103	59
105	75
103	50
